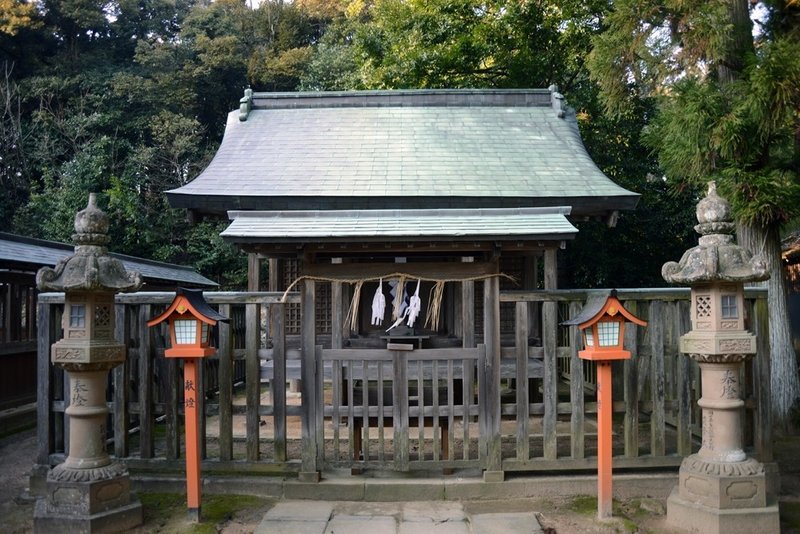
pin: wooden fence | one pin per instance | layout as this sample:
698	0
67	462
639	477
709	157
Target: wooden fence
530	408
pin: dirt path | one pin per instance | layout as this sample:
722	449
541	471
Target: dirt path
17	454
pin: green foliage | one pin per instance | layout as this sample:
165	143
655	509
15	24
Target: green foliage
728	101
727	105
134	104
446	44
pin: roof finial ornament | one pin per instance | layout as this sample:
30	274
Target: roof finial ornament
557	101
245	104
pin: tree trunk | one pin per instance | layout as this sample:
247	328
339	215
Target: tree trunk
785	384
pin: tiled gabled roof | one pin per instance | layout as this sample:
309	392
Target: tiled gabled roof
365	225
19	252
395	149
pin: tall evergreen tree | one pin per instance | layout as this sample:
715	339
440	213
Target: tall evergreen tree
728	93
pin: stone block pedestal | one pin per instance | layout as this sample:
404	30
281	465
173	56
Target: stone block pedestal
722	497
696	517
95	506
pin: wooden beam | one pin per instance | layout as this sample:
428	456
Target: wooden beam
437	270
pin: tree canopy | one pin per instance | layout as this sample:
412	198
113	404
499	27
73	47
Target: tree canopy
725	76
129	99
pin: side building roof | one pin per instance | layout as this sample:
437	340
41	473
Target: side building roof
28	254
426	149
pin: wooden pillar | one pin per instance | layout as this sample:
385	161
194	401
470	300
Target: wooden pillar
253	272
337	315
489	385
252	362
549	326
121	377
278	316
550	269
531	281
225	355
309	470
273	283
468	311
44	416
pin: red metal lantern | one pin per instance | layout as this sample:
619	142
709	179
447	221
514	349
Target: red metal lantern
602	321
190	321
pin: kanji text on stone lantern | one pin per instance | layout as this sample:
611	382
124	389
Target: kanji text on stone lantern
720	489
88	492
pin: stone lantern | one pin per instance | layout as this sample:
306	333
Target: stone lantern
720	489
88	492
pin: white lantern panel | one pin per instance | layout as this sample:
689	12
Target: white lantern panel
589	337
204	332
185	331
608	333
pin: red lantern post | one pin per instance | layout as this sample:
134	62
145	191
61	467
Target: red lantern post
190	321
602	321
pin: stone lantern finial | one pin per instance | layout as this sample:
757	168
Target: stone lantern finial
717	257
91	225
90	268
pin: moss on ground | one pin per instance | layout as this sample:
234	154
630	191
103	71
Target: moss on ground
166	512
586	505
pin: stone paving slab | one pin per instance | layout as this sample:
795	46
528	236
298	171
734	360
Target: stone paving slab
505	523
415	517
301	511
280	526
360	524
435	527
296	517
437	512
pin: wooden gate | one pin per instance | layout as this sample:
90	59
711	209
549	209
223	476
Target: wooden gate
400	410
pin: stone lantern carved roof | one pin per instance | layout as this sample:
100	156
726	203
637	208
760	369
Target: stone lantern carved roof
90	267
717	256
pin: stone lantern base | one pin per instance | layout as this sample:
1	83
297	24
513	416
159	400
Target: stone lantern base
722	498
96	506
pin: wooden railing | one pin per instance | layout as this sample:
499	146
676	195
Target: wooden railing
421	409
